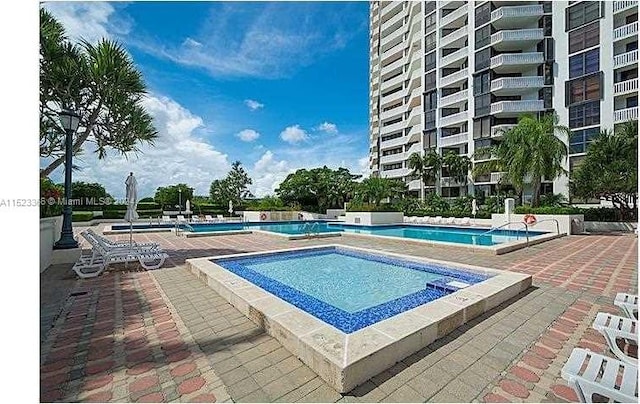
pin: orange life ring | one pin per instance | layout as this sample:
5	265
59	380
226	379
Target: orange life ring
263	216
530	219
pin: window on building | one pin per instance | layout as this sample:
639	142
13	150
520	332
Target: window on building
585	114
481	83
580	139
582	13
446	132
585	37
483	36
430	22
431	100
631	46
546	25
430	61
483	59
429	7
483	14
390	152
482	104
632	101
391	136
391	122
584	89
584	63
395	90
629	74
430	80
430	119
393	166
482	128
430	42
450	192
430	138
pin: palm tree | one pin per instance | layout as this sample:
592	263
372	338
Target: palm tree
531	150
459	167
425	168
375	189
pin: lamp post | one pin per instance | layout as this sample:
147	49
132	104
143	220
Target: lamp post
70	121
179	201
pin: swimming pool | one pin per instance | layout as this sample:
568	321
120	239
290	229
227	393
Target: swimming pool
449	234
349	290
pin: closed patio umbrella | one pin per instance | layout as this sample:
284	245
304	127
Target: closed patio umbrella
474	209
230	208
132	204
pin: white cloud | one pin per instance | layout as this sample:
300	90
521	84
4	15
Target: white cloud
248	135
178	156
328	127
253	104
268	173
294	134
90	21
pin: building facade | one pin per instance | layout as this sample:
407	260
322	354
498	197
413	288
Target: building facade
451	76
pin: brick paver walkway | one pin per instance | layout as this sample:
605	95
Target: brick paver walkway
165	336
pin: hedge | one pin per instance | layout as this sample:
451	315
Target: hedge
81	216
590	214
479	215
369	207
119	214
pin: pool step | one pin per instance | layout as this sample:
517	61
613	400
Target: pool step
447	284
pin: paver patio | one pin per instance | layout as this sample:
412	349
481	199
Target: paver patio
164	335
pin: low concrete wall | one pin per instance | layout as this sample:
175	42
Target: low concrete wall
370	218
334	213
610	227
568	224
50	228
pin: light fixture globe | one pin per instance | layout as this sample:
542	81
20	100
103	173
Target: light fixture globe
69	120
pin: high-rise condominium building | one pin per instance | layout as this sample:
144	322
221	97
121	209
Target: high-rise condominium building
449	76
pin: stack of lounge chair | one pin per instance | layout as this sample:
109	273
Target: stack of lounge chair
105	252
590	374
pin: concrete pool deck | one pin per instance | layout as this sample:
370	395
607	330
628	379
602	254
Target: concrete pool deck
164	335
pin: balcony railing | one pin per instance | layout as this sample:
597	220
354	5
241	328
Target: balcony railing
516	11
625	86
517	106
454	140
498	130
415	148
452	57
395	64
623	5
454	77
392	158
510	59
393	127
517	35
624	115
454	15
453	98
497	177
454	36
454	118
398	172
625	31
626	58
399	141
517	82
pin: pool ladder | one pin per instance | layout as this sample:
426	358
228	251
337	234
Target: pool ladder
526	230
311	229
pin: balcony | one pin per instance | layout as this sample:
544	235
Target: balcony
392	113
498	130
497	177
625	31
453	140
625	87
414	185
624	115
391	67
392	158
399	141
460	96
516	39
623	5
515	62
456	36
415	148
393	127
414	134
397	173
516	85
513	16
454	78
456	56
393	20
449	182
625	59
459	14
394	81
454	118
515	108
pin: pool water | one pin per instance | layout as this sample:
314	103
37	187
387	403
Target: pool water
449	234
345	288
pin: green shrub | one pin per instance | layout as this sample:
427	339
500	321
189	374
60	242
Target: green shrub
114	207
601	215
479	215
119	214
81	216
549	210
147	199
370	207
148	206
50	198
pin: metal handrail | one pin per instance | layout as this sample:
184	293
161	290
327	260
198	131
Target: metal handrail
551	219
526	228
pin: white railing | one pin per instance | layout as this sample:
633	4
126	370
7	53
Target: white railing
392	158
392	113
625	86
414	134
414	185
498	130
454	77
517	59
517	106
415	148
454	118
393	127
517	82
391	21
454	139
452	57
623	5
626	58
394	81
624	115
414	117
393	66
395	48
454	36
455	97
496	177
454	15
516	11
449	182
625	31
399	141
517	35
398	172
390	36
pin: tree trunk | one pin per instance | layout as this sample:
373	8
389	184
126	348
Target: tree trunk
60	160
535	199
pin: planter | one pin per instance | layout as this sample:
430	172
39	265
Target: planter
50	228
566	224
373	218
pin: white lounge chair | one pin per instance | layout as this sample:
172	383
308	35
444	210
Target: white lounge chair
166	220
449	220
195	219
614	327
413	219
209	219
628	303
436	220
107	243
101	257
220	218
405	219
465	221
608	377
181	219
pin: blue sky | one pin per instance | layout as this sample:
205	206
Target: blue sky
278	86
